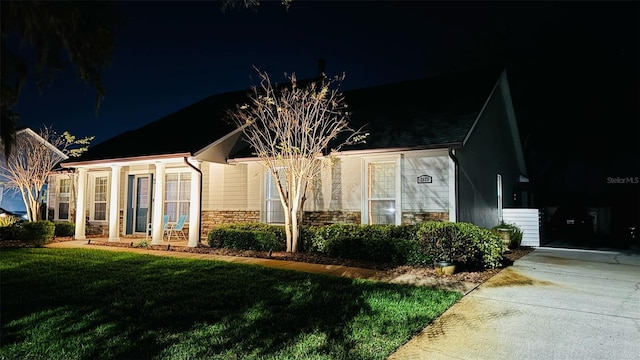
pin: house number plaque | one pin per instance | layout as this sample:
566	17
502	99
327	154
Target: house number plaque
424	179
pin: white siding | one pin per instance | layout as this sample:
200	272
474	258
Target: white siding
350	188
433	197
528	221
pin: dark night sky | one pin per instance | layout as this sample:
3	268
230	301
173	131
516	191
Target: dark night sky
575	78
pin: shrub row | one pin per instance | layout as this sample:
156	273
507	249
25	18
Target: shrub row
37	232
462	243
248	236
422	244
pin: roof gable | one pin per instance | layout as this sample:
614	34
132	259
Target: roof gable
431	112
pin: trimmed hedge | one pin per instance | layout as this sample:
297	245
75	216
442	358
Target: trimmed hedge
65	228
463	243
248	236
422	244
38	232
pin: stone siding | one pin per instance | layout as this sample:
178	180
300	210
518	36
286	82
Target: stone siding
409	218
319	218
217	217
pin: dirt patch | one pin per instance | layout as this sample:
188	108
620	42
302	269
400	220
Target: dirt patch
511	277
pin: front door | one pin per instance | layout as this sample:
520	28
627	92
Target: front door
142	203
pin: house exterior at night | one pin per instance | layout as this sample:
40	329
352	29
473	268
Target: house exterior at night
444	148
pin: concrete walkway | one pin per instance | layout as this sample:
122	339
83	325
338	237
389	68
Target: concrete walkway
551	304
333	270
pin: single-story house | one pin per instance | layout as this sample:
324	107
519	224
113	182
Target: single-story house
444	148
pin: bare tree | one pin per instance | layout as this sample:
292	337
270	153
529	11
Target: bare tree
292	128
36	154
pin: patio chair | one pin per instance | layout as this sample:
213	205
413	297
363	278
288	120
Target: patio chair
165	226
177	227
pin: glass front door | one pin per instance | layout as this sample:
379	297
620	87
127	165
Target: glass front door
142	203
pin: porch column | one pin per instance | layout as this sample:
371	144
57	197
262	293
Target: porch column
158	209
194	206
80	220
114	206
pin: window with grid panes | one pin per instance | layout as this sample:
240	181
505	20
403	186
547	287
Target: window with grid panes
273	206
100	198
177	194
64	196
381	192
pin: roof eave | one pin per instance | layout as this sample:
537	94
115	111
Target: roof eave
128	160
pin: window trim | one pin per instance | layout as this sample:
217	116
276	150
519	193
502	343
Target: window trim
178	201
365	185
93	177
267	181
58	198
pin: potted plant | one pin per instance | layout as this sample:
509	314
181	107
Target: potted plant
510	234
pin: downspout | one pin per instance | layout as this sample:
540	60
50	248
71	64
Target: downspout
456	182
199	200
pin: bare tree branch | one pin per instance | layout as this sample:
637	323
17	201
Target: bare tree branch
291	128
26	170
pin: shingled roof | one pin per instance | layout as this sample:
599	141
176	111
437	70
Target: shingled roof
424	113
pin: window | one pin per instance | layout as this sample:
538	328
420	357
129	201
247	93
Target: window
177	194
273	207
100	198
382	192
499	191
64	195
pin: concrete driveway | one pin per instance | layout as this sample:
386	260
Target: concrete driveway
552	304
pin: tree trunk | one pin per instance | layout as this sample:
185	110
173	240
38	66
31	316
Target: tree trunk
287	227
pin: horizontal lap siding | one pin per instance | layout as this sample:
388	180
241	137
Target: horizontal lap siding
528	221
225	187
351	188
429	197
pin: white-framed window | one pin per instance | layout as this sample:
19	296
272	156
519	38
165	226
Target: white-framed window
274	212
100	196
64	197
382	191
177	195
499	192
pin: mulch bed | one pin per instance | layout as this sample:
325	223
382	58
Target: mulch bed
476	277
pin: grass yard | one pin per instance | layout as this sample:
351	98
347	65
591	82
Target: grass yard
93	304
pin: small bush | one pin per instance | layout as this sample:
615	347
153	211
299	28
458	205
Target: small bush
248	236
143	244
462	243
308	241
407	252
65	229
379	243
38	232
490	247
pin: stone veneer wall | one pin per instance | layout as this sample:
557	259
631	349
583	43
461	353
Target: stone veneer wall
409	218
217	217
319	218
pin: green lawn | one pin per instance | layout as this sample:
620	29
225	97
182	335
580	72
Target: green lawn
93	304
